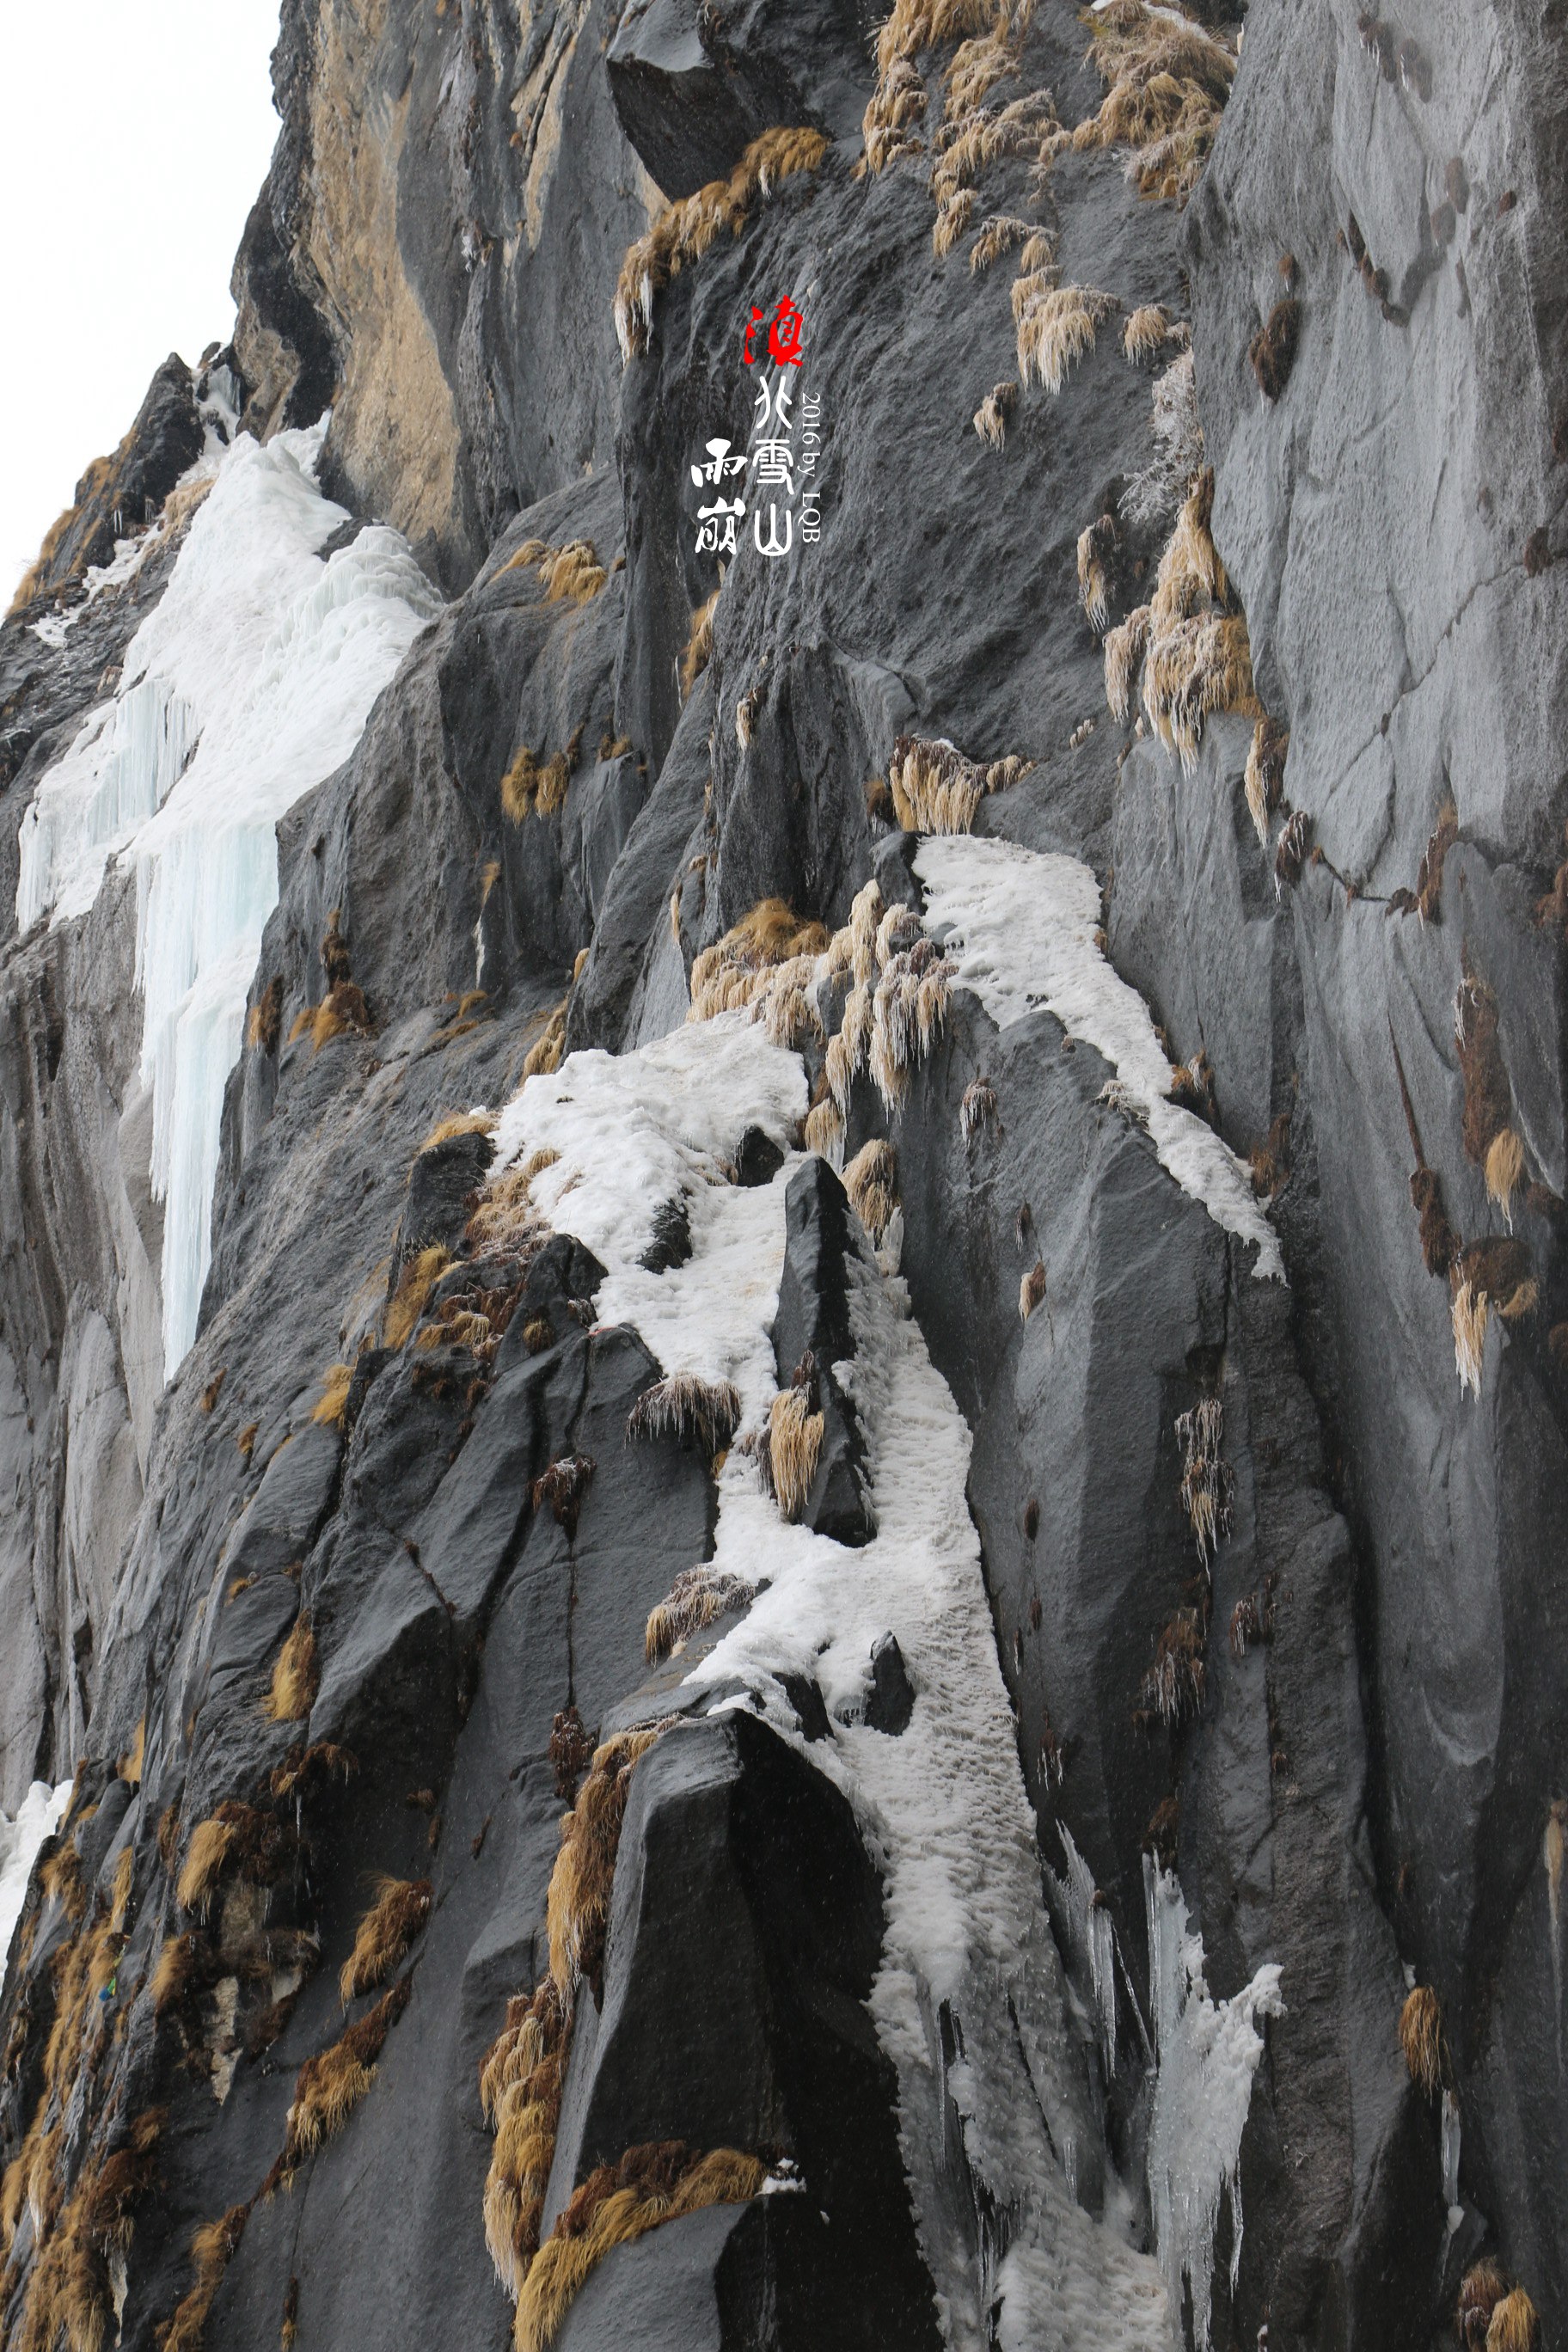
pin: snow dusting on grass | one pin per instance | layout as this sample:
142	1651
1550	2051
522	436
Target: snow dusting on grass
1022	936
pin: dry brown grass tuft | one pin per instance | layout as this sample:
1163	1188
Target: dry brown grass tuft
615	2205
572	571
578	1907
1513	2327
1148	331
1422	2039
699	650
265	1025
683	232
1032	1289
1172	1689
1481	2290
1504	1170
705	1414
519	2091
998	235
953	215
532	787
872	1180
385	1934
1097	548
1208	1483
1167	83
1198	659
764	964
560	1489
1056	327
825	1129
307	1770
793	1449
977	1108
696	1599
212	2248
129	1767
296	1676
936	789
1488	1096
544	1056
330	2087
471	1122
331	1407
991	416
1125	646
234	1837
1266	774
411	1298
1272	350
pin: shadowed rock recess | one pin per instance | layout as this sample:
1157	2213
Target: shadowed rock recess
783	1340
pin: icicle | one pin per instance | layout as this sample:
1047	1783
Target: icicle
1208	2054
1093	1936
1451	2161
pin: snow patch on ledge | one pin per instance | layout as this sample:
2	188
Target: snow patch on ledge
38	1816
1023	925
248	684
970	2004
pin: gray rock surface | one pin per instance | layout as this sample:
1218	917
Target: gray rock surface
1365	1782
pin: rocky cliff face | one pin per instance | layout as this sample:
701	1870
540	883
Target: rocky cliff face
848	1628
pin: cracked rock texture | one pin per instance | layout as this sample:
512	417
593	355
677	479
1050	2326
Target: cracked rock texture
1371	1787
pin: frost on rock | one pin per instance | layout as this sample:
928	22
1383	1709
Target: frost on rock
248	684
38	1816
1022	936
970	2002
1207	2053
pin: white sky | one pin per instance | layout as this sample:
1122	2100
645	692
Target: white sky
134	137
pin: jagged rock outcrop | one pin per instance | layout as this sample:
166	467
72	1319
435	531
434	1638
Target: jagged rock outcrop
520	1538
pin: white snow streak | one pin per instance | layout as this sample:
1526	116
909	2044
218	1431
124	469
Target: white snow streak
38	1816
943	1806
1024	926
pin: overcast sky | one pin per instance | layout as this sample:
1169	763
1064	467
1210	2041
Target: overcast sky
134	137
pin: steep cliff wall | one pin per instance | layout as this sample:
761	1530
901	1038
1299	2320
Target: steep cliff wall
845	1629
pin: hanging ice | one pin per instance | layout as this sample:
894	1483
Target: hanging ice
1207	2054
249	683
38	1817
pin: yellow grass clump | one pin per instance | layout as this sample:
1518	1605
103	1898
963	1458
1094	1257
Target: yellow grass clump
1199	659
1149	330
411	1298
699	650
331	1406
795	1437
936	789
872	1180
535	788
544	1055
683	231
615	2205
1264	780
330	2087
764	964
953	215
1422	2040
1167	82
991	416
705	1414
572	571
1056	327
1513	2326
296	1676
384	1935
472	1122
1032	1289
696	1599
998	236
1504	1169
212	2248
1125	646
